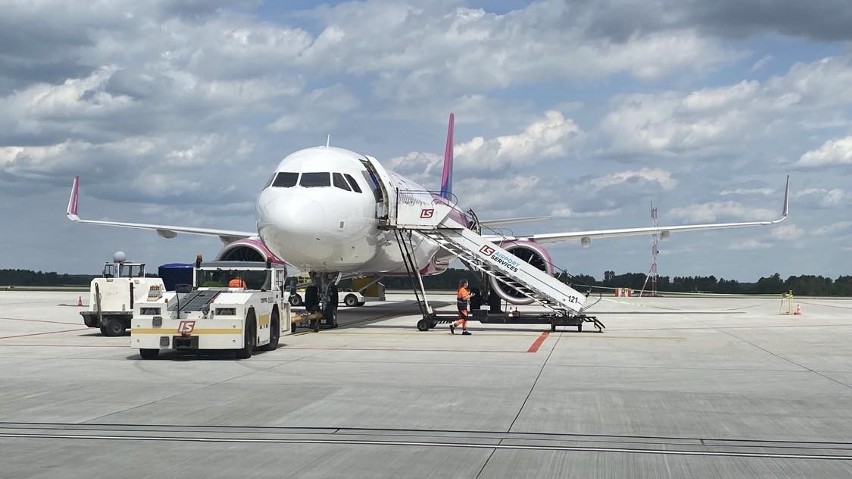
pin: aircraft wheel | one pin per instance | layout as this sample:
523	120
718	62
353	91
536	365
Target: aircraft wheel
423	325
249	337
552	327
149	353
103	330
580	328
295	300
274	332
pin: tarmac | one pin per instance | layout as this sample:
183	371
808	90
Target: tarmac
714	387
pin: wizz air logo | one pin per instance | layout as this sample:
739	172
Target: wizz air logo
486	250
185	328
427	212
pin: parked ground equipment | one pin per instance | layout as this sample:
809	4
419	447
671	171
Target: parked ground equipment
210	315
113	295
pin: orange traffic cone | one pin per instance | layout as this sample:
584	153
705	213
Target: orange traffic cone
798	309
79	301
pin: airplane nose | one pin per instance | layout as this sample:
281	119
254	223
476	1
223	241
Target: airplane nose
299	218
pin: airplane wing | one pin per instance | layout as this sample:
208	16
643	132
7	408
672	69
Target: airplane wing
166	231
586	237
510	221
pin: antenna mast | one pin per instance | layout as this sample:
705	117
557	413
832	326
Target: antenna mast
652	273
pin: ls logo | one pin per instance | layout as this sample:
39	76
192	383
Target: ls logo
427	212
486	250
185	328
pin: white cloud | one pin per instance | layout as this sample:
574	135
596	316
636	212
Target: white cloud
823	198
747	192
839	227
726	119
832	152
788	232
547	138
746	244
719	211
659	176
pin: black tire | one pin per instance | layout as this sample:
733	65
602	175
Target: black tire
350	300
362	303
103	330
295	300
114	327
423	325
249	336
580	328
149	353
552	328
274	332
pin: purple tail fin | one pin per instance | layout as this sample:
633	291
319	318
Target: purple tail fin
447	174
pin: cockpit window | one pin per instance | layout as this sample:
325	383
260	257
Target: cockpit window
339	182
352	183
285	179
312	180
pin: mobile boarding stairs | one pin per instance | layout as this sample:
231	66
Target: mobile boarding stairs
419	213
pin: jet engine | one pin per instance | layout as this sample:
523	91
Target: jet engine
531	252
249	249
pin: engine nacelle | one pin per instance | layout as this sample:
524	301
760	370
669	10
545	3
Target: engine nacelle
530	252
249	249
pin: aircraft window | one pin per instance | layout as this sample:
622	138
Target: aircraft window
285	179
339	182
352	183
310	180
271	179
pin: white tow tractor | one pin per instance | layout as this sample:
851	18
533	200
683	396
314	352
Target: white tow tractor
233	305
112	297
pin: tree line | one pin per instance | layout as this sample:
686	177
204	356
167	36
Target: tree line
25	277
804	285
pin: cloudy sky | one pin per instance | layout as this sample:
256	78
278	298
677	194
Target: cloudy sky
587	111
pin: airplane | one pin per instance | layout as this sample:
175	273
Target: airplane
324	210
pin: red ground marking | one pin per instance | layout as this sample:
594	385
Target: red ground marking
537	343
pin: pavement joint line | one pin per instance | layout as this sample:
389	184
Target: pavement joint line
6	318
788	360
42	333
444	444
686	311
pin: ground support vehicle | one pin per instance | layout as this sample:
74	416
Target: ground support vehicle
113	296
211	316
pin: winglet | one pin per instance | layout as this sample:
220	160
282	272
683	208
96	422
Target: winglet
447	174
786	198
71	211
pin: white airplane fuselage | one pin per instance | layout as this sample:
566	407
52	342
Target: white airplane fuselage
312	216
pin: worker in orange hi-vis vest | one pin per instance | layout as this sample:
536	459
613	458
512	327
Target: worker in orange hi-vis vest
236	283
462	297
